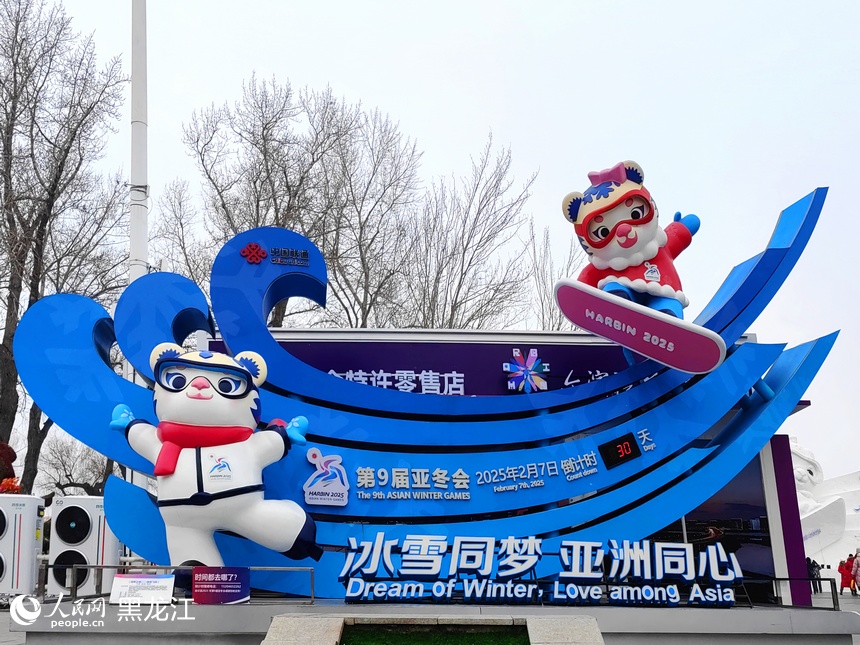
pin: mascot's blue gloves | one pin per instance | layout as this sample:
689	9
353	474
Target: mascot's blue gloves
690	222
121	417
297	429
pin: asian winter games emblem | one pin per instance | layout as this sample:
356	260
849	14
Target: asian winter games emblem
526	374
328	485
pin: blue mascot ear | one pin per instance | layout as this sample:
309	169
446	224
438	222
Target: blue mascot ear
255	365
165	350
570	206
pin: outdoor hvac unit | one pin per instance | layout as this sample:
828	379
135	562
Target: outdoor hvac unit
80	535
20	542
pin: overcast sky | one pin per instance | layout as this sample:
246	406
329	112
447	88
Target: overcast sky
734	110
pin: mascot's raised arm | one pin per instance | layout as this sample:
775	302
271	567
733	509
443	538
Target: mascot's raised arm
209	457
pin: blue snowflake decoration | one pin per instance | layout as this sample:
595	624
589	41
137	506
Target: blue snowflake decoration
526	374
600	191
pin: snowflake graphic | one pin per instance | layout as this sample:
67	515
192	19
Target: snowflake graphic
600	191
525	374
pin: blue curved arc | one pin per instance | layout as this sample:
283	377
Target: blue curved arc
752	284
703	405
59	347
467	409
718	463
749	434
143	530
808	356
243	294
241	314
743	281
790	377
159	308
542	522
344	428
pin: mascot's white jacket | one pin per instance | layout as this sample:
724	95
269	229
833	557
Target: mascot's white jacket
209	459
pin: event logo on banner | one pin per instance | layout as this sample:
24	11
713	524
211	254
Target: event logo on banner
328	485
481	569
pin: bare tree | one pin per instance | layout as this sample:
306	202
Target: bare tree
546	273
86	253
261	165
87	249
459	276
56	110
372	189
178	240
69	467
260	159
347	178
342	176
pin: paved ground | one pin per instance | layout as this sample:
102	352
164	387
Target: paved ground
847	602
7	637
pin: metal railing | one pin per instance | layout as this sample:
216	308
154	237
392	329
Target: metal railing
782	585
72	572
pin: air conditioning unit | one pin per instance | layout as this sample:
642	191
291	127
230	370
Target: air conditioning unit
80	535
20	542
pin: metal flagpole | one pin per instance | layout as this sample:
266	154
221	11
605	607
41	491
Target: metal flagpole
138	233
138	188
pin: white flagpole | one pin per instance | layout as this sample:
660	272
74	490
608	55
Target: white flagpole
138	188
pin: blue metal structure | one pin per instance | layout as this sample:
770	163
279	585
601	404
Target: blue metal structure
63	341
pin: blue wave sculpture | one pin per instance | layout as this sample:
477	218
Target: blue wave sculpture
63	341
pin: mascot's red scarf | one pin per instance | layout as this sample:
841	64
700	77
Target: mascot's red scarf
176	436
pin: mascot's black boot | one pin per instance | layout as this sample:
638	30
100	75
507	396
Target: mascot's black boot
306	545
182	577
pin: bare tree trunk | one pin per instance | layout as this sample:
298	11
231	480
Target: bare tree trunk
36	433
8	371
110	465
279	312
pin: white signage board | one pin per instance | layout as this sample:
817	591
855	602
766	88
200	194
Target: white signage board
146	589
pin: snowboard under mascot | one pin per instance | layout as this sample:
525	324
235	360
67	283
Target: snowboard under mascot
209	459
629	254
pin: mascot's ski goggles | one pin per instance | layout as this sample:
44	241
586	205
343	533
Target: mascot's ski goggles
602	236
229	382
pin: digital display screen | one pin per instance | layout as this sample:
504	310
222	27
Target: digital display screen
619	451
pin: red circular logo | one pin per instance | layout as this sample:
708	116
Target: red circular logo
253	252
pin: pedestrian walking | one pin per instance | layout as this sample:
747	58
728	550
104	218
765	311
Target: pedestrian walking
845	576
813	572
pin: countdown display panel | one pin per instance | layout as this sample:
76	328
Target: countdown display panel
619	451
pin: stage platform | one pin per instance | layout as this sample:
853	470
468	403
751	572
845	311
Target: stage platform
249	624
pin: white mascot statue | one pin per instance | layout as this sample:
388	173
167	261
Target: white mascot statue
209	458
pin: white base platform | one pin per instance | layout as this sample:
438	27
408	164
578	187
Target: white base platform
246	624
